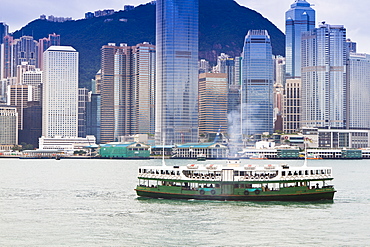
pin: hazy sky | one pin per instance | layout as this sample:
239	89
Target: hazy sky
352	14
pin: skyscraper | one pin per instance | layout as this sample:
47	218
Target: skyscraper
213	94
324	83
359	91
177	71
128	90
299	18
4	29
116	92
60	92
257	83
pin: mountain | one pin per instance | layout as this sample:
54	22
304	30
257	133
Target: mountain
223	25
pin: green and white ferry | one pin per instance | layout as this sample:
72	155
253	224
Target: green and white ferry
236	182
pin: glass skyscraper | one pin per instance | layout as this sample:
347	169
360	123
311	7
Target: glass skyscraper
257	83
359	90
324	77
299	18
177	71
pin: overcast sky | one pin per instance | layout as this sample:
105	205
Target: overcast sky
352	14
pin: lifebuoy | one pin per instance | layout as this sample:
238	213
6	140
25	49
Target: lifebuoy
251	177
267	177
257	192
213	192
246	192
202	192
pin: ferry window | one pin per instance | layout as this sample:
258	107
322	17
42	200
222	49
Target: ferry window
157	172
144	171
312	172
242	173
178	172
167	172
139	170
329	171
306	172
322	172
236	173
283	173
290	173
217	185
162	172
300	173
236	186
317	172
242	186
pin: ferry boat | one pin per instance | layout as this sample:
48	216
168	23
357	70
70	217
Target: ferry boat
236	182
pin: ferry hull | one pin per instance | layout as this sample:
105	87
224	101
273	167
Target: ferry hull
315	196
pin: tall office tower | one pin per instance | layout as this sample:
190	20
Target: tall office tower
359	91
292	106
60	92
177	71
18	96
213	92
44	44
7	57
116	92
96	83
299	18
4	30
32	124
257	83
33	78
324	84
83	98
93	115
144	88
25	50
8	125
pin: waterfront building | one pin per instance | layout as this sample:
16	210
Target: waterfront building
66	143
93	115
213	102
177	71
32	124
116	91
324	84
127	90
257	83
18	96
359	91
83	98
292	106
299	18
60	92
8	125
144	88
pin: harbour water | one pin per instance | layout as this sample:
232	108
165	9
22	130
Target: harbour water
93	203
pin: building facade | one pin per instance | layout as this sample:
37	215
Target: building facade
299	18
8	125
324	77
60	92
292	106
359	91
213	100
177	71
257	83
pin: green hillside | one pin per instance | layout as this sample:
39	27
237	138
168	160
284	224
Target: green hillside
223	25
